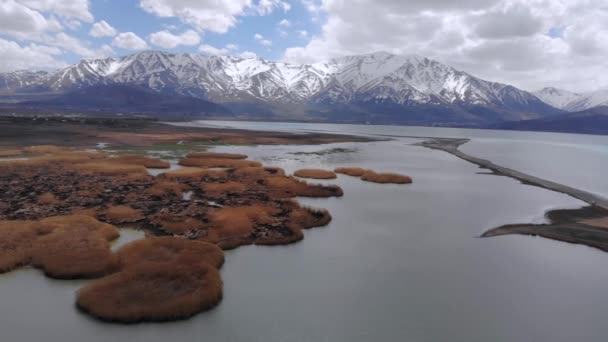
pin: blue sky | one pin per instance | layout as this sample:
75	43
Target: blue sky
264	28
527	43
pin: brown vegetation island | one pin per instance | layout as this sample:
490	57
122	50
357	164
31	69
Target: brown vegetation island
375	177
59	208
315	174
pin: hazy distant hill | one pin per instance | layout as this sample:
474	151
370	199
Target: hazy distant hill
591	121
129	99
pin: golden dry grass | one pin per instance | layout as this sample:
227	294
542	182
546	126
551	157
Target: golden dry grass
175	224
48	198
139	177
195	173
310	218
292	187
232	226
151	163
218	162
64	157
216	155
152	292
259	171
351	171
161	278
386	178
166	188
220	188
123	214
71	246
43	149
85	212
315	174
109	168
170	250
10	153
16	244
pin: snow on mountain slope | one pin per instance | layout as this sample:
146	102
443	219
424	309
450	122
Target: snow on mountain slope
589	100
12	81
372	78
557	98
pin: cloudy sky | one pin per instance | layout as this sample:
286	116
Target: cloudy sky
527	43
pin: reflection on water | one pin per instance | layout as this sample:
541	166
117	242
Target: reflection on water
397	263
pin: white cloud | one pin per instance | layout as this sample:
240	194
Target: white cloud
302	33
260	39
22	22
501	40
77	46
232	47
72	24
248	55
78	9
212	50
211	15
267	6
102	29
285	23
32	56
168	40
129	41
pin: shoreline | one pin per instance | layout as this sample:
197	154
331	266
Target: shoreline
451	146
587	225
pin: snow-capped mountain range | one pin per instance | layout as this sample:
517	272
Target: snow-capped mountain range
371	85
573	102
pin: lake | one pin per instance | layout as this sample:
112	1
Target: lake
397	262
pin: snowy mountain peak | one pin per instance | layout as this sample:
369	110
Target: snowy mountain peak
573	102
369	79
557	98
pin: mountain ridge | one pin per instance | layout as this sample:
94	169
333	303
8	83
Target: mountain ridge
377	86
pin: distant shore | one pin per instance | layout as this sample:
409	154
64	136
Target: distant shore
586	226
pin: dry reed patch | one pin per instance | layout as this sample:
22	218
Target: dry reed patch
151	163
195	173
175	224
351	171
216	155
162	278
43	149
64	158
48	198
386	178
109	168
259	171
220	188
309	217
85	212
10	153
152	292
232	226
170	250
16	243
291	187
217	162
123	214
166	188
92	191
138	177
63	246
315	174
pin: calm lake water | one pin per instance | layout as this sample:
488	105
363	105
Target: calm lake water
398	263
